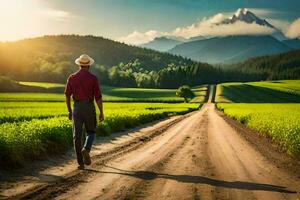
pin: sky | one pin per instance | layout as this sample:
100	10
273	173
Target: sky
140	21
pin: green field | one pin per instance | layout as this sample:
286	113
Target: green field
110	94
259	92
200	94
271	108
281	122
35	124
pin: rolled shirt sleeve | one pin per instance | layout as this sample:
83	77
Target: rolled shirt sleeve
97	91
68	88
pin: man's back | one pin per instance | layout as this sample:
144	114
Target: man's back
84	86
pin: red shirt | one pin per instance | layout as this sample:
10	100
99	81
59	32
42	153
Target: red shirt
84	86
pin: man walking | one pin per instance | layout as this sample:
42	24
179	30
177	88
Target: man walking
84	88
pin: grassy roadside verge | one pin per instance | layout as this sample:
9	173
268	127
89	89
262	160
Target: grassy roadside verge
280	122
271	108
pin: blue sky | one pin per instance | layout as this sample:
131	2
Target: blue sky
119	18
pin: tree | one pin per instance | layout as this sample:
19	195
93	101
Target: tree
185	92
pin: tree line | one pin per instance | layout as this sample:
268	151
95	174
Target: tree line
131	74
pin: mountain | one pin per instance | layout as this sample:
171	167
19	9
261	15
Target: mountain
161	44
293	43
230	49
244	15
247	16
241	15
51	58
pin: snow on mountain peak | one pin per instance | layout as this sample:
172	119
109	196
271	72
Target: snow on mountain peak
241	11
244	15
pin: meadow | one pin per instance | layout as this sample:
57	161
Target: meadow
284	91
35	125
288	86
271	108
280	122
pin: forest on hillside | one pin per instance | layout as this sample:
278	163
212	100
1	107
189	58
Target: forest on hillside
279	66
51	59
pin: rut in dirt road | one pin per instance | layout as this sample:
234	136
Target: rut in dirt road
200	157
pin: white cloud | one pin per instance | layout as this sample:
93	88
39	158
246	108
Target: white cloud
59	15
218	18
213	27
137	38
294	29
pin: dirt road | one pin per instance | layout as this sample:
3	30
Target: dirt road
199	157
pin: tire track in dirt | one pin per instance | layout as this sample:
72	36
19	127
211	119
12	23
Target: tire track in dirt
118	179
179	176
213	163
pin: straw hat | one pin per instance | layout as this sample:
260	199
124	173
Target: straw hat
84	60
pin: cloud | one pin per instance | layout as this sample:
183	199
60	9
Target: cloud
213	26
59	15
137	38
294	29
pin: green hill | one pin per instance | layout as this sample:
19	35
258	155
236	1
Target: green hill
279	66
50	58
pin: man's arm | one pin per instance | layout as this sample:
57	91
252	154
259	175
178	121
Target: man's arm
68	102
100	106
98	98
68	93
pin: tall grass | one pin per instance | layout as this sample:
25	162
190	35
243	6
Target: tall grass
281	122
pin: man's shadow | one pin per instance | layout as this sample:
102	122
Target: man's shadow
148	175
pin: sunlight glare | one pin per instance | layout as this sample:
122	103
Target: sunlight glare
18	19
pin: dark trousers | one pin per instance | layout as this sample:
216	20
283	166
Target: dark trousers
83	114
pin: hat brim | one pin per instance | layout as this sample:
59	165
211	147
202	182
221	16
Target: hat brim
77	62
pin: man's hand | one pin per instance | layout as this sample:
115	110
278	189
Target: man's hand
101	117
70	115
